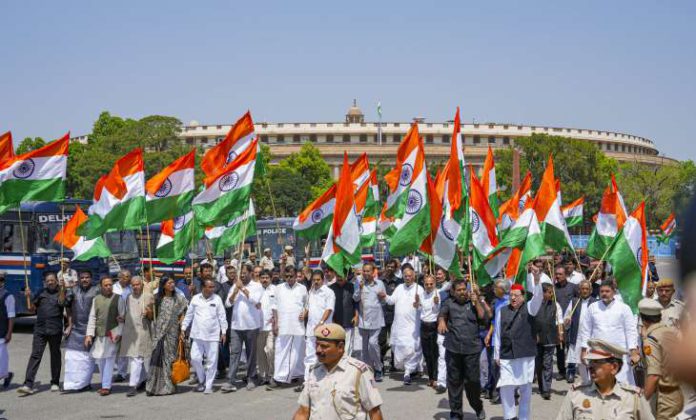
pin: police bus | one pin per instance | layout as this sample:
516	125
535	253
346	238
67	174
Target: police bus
39	224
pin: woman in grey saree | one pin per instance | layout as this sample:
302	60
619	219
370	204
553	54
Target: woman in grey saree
169	306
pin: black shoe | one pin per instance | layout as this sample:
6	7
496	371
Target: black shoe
141	387
118	378
481	415
546	395
570	379
378	376
298	388
8	380
132	392
220	374
439	389
495	399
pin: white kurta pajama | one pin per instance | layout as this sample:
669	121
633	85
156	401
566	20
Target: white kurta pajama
105	349
79	364
290	343
318	301
405	330
136	343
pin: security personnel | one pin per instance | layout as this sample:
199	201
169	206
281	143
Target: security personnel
671	307
658	382
338	387
604	398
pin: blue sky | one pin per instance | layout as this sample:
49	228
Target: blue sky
624	66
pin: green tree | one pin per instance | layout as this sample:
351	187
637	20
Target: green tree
309	164
581	167
29	144
291	191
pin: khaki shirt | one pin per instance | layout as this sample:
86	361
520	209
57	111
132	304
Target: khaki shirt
266	263
349	391
672	312
290	260
586	403
669	395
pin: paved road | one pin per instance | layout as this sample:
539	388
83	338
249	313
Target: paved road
414	402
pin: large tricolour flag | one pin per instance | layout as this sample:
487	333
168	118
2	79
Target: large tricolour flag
226	194
408	200
610	220
315	220
572	213
6	147
628	256
483	233
548	210
234	232
169	193
237	140
176	237
38	175
526	239
488	181
119	198
83	249
512	208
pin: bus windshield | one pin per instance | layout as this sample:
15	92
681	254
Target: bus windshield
45	233
123	242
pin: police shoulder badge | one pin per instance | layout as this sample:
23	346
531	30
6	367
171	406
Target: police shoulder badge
647	350
586	403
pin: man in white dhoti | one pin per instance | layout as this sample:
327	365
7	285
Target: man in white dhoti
515	350
122	288
136	343
104	332
612	321
206	317
405	331
291	301
572	318
79	365
368	293
7	316
320	305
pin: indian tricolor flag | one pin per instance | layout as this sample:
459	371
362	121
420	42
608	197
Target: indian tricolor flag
483	232
226	195
119	198
237	140
169	193
526	239
315	220
408	201
234	232
667	228
490	187
367	207
548	210
38	175
83	249
342	248
628	256
572	213
512	208
6	147
610	220
360	170
176	237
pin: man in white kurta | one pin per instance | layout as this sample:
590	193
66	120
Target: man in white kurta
104	332
291	301
208	321
405	331
265	341
136	342
320	306
611	321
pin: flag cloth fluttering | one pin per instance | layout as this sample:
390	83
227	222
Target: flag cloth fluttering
234	232
38	175
628	256
528	243
170	192
488	182
667	229
512	208
176	237
572	213
610	220
548	210
237	140
83	249
482	231
226	194
6	147
315	220
119	198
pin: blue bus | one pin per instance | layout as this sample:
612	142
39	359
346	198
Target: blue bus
39	224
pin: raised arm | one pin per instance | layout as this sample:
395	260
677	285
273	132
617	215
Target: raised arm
537	299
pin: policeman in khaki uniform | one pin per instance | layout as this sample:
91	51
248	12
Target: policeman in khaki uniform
339	386
671	307
669	400
604	398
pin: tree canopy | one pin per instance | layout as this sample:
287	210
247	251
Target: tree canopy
29	144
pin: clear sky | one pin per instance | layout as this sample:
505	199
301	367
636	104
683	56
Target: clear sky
624	66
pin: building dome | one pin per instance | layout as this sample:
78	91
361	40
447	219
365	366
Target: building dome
354	114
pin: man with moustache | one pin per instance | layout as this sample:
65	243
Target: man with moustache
79	364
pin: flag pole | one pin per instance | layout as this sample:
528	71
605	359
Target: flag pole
598	265
142	252
24	254
240	248
149	246
62	229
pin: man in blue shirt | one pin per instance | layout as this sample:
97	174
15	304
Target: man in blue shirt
501	289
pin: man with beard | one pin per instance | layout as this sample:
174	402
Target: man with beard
572	316
371	318
79	364
405	331
612	321
104	332
338	386
48	329
136	344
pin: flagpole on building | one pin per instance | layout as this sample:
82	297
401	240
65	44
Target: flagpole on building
379	123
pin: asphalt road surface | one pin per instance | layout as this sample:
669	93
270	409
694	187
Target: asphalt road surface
414	402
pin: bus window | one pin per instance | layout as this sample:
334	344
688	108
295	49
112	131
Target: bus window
11	238
122	242
44	234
